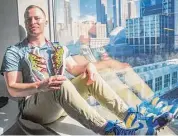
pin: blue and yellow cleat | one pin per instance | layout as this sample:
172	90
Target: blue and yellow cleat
113	128
157	122
163	106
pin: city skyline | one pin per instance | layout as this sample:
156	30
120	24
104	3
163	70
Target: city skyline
144	28
115	10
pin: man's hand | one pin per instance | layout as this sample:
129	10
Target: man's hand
90	72
52	83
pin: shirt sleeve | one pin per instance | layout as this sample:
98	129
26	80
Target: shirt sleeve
11	60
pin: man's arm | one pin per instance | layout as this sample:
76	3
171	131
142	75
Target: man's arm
18	89
102	64
15	86
75	68
88	70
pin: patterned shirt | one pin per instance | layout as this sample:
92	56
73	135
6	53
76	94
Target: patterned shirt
19	57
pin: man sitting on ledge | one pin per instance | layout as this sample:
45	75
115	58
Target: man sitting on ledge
36	70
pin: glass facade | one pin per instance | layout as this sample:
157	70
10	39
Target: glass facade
174	77
166	80
115	32
158	83
150	83
153	33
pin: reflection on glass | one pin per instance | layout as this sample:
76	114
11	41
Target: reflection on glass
142	33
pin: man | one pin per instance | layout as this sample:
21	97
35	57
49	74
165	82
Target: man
35	70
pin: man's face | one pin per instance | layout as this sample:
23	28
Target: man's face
35	22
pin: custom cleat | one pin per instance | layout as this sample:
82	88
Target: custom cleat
38	68
162	107
116	129
156	122
162	120
58	59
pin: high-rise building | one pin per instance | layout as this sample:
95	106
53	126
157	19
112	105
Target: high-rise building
150	7
67	13
114	14
81	29
133	8
120	12
101	31
61	11
153	32
176	24
98	42
101	11
75	6
67	17
59	7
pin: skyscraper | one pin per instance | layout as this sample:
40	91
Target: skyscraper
153	32
75	6
165	8
67	13
133	9
59	7
176	24
120	12
110	9
151	7
114	13
101	11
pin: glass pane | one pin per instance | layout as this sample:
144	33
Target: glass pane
135	41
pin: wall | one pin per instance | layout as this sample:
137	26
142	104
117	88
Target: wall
9	31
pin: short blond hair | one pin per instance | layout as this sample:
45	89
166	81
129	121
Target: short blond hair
34	6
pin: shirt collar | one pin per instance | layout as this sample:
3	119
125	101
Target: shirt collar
47	43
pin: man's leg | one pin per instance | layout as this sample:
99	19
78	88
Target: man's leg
132	79
109	98
103	93
48	107
123	90
42	108
120	88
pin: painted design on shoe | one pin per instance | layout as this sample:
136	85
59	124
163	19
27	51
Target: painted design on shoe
172	109
58	59
146	108
163	106
154	121
130	120
38	72
114	128
155	101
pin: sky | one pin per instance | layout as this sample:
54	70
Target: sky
88	7
87	10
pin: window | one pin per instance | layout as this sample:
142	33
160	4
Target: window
158	83
136	36
166	80
174	77
150	83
